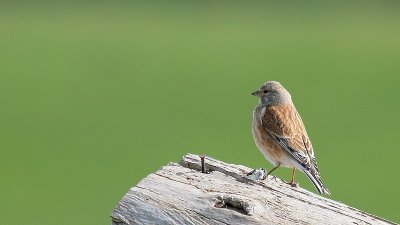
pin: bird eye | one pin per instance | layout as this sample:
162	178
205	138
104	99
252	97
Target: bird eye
265	91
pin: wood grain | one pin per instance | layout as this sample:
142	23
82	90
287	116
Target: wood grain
181	194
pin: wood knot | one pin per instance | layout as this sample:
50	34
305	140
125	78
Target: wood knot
234	203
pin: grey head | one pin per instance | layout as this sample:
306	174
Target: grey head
273	93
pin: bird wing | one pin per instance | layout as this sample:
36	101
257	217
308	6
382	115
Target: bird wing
284	123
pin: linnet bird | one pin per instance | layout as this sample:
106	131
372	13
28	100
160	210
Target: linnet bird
280	134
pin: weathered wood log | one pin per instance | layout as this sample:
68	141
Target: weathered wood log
182	194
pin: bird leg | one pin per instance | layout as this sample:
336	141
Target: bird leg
292	182
276	167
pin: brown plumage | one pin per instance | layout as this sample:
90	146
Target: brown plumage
281	136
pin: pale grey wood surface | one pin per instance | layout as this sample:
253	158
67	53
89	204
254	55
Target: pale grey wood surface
181	194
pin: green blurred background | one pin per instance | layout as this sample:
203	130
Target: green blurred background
96	95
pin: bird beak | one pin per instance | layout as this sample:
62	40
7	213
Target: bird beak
255	93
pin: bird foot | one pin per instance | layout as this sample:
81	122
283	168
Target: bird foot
274	177
292	183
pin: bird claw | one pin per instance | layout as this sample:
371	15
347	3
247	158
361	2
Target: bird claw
292	183
274	177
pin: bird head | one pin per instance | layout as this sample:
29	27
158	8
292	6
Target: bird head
273	93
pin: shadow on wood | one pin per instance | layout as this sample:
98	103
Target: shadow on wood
181	194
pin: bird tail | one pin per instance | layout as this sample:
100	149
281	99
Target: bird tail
315	178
